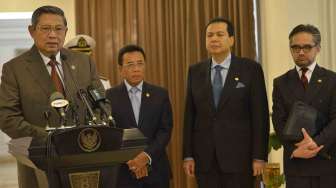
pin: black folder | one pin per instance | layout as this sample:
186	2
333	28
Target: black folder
301	116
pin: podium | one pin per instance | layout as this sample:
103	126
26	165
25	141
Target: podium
80	157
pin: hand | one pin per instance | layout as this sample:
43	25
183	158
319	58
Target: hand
306	153
141	172
307	141
138	165
189	167
258	167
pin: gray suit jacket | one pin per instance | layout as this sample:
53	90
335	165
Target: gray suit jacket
24	96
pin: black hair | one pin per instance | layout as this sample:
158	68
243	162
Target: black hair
314	31
127	49
47	10
230	28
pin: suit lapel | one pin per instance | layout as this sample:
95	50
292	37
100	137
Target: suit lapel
145	103
38	71
315	83
70	68
233	73
125	100
206	74
295	85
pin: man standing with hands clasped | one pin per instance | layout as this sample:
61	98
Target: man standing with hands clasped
137	104
226	124
309	163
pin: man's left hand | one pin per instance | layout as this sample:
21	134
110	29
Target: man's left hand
258	167
138	165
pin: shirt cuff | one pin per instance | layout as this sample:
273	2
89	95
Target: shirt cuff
188	159
149	158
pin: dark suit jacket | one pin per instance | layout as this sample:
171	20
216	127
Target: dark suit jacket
24	96
321	94
236	132
155	122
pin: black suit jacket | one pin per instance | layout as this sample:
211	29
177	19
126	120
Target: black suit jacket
155	122
321	94
236	132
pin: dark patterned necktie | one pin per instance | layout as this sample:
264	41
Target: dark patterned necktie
217	84
55	77
304	78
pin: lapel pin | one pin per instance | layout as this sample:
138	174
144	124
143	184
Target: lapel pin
73	67
319	81
236	78
147	95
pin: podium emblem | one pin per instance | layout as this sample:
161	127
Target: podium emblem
84	179
89	139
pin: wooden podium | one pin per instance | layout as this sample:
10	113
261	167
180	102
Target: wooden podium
81	157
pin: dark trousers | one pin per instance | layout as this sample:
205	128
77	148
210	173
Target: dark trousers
325	181
215	178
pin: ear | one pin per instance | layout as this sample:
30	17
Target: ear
31	30
121	72
318	48
66	31
231	40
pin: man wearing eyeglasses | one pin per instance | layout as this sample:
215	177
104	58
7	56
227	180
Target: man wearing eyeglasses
28	81
309	163
137	104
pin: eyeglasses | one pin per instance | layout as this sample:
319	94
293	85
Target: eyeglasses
133	65
46	29
306	48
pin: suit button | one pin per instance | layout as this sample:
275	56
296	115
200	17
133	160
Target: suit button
214	119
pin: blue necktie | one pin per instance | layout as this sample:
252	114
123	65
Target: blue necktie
135	100
217	84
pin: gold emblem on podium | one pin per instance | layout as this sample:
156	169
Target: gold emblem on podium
84	179
89	139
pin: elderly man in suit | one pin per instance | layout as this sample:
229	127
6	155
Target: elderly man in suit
226	124
311	162
28	81
138	104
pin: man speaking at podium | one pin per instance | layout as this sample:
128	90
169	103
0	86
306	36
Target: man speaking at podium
30	79
138	104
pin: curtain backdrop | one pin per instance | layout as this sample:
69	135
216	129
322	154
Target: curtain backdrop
172	33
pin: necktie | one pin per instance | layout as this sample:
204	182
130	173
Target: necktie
55	77
304	78
135	100
217	84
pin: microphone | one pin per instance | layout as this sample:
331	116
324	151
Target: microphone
81	93
98	99
58	102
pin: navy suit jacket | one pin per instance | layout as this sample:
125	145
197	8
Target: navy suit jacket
155	122
321	94
237	131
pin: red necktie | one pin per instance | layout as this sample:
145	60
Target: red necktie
55	77
304	78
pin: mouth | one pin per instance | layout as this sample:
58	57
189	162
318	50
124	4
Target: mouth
52	44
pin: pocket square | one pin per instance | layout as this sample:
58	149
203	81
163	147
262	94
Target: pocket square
240	85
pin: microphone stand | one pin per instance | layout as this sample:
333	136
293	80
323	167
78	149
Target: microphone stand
80	92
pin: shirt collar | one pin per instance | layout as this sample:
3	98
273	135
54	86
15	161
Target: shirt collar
310	67
225	64
128	86
46	59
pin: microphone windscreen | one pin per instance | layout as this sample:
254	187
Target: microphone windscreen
56	95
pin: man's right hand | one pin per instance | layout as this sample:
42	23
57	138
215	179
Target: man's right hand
189	167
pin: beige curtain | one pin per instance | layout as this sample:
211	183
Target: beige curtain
172	33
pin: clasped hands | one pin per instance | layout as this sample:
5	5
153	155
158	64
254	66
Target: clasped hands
139	165
306	148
